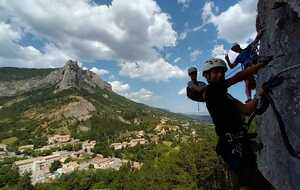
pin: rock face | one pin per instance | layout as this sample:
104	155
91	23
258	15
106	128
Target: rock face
70	76
281	19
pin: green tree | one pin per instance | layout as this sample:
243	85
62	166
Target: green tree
8	175
24	183
39	142
102	148
55	165
91	166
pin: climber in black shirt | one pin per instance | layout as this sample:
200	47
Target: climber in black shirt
233	144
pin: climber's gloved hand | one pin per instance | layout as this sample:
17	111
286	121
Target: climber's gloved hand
262	104
263	100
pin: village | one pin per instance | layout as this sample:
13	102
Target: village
82	159
79	155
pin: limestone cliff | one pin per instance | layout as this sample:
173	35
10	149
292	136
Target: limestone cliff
69	76
281	20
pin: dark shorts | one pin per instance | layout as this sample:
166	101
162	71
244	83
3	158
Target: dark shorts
244	167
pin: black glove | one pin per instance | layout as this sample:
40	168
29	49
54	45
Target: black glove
262	105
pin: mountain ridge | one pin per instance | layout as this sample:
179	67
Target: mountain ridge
69	76
67	100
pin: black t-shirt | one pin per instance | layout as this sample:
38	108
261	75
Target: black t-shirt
222	109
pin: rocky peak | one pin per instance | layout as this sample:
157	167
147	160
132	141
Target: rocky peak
71	75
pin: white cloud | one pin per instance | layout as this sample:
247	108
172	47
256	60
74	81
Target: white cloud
99	72
236	24
143	95
184	3
182	92
195	54
219	51
111	77
119	87
207	12
159	70
177	59
83	30
182	35
197	28
14	54
168	55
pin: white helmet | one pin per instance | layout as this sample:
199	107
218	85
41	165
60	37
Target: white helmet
213	63
192	69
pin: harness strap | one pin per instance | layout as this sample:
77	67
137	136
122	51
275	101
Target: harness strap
230	137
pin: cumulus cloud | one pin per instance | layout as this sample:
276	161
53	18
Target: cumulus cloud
126	31
195	54
99	72
119	87
184	3
159	70
143	95
219	51
14	54
236	24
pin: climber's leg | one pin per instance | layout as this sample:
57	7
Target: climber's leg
248	89
261	182
245	177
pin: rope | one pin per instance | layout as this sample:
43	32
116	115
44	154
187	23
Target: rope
282	128
288	69
272	82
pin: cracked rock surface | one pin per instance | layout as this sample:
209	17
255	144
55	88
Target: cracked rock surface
281	20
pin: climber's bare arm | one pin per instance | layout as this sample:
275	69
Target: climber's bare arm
231	65
248	108
242	75
199	89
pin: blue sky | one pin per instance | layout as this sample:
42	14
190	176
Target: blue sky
142	47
